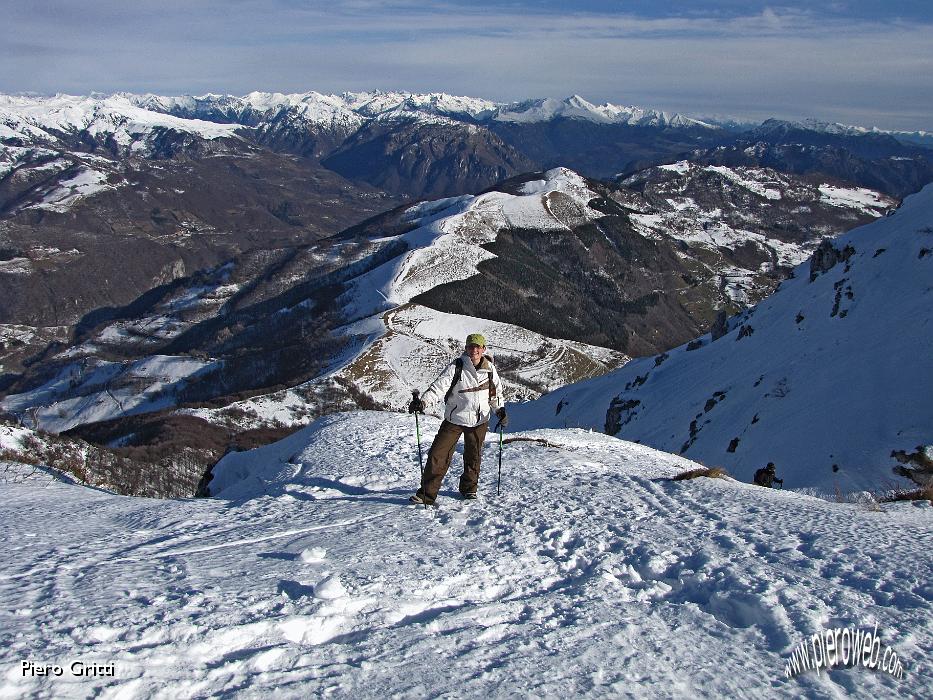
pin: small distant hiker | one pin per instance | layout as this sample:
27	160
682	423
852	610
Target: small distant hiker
471	389
765	476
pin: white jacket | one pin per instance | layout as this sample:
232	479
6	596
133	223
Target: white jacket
469	404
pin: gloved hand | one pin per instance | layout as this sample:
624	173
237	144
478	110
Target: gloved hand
416	406
503	418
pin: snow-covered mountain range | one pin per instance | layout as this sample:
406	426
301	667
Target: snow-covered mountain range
159	253
303	165
349	110
30	116
826	378
344	131
128	121
412	286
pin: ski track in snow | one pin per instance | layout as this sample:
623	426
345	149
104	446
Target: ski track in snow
590	575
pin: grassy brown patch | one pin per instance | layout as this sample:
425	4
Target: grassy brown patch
709	472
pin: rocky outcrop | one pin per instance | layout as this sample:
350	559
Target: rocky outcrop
827	256
620	412
919	465
720	325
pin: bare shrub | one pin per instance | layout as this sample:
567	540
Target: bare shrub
923	494
710	472
537	441
13	471
867	500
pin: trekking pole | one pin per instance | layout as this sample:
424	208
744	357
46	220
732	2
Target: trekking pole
414	394
499	482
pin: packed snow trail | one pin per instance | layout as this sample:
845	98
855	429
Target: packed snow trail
590	575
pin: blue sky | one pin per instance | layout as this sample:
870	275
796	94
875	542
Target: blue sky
868	63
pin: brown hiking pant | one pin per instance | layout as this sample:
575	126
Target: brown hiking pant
441	452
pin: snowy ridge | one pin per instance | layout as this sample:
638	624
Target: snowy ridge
402	346
309	576
825	378
407	348
445	246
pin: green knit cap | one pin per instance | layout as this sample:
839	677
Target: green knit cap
476	339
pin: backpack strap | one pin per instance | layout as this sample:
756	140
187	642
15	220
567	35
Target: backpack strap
453	385
459	371
492	385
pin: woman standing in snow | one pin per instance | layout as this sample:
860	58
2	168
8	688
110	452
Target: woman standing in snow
473	389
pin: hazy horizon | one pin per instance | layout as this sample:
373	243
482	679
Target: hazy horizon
846	62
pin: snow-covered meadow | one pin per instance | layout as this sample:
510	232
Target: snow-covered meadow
309	575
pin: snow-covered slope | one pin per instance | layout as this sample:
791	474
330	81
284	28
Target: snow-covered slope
825	378
590	576
105	390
